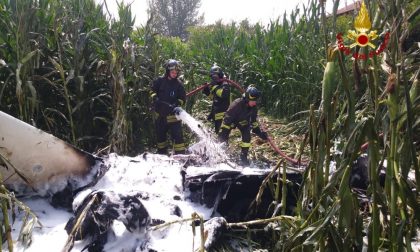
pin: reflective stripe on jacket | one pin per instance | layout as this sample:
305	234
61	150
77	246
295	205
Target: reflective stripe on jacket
239	114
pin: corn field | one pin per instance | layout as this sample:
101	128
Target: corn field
76	74
67	68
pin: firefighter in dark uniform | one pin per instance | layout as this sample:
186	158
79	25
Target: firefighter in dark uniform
242	113
167	93
219	92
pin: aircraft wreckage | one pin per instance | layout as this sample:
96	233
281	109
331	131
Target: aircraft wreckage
35	162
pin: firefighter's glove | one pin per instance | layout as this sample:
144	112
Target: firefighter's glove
262	134
206	90
177	110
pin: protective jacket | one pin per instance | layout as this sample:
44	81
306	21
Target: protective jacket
219	92
240	115
167	94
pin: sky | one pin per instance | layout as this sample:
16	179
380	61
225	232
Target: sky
226	10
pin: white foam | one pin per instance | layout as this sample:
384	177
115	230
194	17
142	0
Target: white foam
157	177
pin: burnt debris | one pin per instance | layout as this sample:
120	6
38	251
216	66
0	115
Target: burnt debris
231	193
95	215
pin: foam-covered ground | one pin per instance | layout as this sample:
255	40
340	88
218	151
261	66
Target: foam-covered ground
159	180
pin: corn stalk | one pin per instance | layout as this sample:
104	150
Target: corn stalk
8	202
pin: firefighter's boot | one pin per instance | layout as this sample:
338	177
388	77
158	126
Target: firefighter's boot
244	157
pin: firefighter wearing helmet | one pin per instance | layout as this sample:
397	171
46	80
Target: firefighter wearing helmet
242	114
168	93
219	92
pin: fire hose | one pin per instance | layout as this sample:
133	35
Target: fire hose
270	140
198	89
231	82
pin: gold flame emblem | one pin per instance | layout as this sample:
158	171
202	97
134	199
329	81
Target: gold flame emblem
362	37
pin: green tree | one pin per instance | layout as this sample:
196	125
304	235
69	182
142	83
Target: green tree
173	17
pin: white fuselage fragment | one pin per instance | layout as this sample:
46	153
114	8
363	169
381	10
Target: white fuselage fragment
46	161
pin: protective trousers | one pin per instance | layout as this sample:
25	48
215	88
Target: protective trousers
245	144
246	140
217	119
217	124
175	129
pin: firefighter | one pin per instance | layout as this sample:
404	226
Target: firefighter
168	93
242	114
219	92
